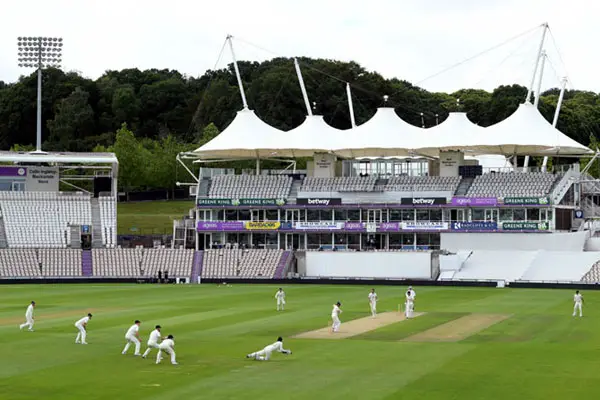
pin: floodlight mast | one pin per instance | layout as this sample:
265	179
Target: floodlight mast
39	52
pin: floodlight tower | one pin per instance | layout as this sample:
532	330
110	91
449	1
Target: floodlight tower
39	52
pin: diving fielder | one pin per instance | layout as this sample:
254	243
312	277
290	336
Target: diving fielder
28	317
153	341
280	296
82	326
373	302
335	317
265	354
133	336
578	300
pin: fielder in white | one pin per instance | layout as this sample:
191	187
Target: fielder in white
409	306
133	336
168	346
414	296
265	354
335	317
578	300
373	302
82	326
280	296
28	317
153	341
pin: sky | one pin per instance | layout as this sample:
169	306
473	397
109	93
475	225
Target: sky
408	39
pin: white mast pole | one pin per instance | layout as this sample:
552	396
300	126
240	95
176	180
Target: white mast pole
538	94
556	113
537	61
237	72
350	105
302	87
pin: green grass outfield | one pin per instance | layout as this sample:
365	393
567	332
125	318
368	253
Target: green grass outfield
541	352
150	217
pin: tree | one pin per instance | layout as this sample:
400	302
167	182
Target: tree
209	133
133	159
74	119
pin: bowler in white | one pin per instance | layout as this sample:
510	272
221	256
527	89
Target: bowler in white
335	317
280	296
133	336
28	318
168	346
409	306
414	296
373	302
578	300
153	341
265	354
81	325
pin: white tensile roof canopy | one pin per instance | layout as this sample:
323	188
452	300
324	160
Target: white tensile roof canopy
525	132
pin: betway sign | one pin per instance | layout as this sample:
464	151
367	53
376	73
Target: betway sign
319	202
423	201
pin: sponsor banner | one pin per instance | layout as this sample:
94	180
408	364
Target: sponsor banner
525	226
319	226
220	226
536	201
319	202
263	226
423	201
13	171
240	202
474	226
474	201
424	226
355	226
389	227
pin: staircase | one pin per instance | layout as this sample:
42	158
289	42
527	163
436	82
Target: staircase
197	267
3	239
87	263
294	191
283	265
463	187
96	224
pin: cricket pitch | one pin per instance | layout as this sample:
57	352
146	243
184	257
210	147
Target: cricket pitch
459	329
356	326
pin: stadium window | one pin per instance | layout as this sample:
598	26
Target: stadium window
434	240
353	241
258	240
325	239
422	215
5	186
231	215
408	215
271	240
271	215
244	215
312	241
519	214
506	214
408	240
395	241
435	215
533	214
340	215
220	215
477	214
395	215
326	215
423	239
312	215
353	215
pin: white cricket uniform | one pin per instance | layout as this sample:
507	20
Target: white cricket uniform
131	337
28	318
373	303
409	305
578	300
168	346
82	330
280	296
153	341
335	317
265	354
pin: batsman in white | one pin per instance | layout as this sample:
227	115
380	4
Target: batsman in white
133	336
168	346
81	325
409	305
265	354
153	341
373	302
578	300
335	317
280	296
28	317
